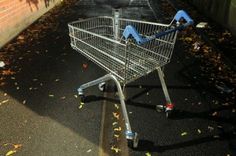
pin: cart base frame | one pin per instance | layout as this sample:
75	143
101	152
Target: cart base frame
130	135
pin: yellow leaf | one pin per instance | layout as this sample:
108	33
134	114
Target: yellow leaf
4	101
117	107
199	131
148	154
116	136
117	129
188	39
10	152
24	102
113	148
57	80
80	106
114	123
184	133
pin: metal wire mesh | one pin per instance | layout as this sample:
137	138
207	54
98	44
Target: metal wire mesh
99	40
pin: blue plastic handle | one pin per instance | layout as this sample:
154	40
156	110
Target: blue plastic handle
182	14
131	31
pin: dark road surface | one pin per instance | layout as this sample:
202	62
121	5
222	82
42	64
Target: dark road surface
40	108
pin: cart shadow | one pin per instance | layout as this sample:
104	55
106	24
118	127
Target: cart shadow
146	145
177	114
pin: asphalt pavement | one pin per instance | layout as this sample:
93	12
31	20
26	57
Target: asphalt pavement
41	111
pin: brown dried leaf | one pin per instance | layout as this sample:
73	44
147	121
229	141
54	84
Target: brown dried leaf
17	146
8	72
116	115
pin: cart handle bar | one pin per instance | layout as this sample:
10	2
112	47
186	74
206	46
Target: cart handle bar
131	31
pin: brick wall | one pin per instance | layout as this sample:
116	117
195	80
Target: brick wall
16	15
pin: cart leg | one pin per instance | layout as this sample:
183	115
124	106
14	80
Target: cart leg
169	106
130	136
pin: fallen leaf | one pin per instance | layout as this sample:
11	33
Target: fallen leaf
188	39
219	126
63	97
89	150
2	83
210	128
21	37
116	115
4	101
199	131
117	129
7	72
221	39
184	133
51	95
214	114
57	80
113	148
148	154
117	107
80	106
116	135
114	123
17	146
85	66
216	136
10	152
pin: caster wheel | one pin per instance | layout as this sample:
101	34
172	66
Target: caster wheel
133	143
169	110
160	108
168	113
102	86
82	98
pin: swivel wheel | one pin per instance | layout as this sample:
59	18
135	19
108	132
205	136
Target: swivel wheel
133	143
102	86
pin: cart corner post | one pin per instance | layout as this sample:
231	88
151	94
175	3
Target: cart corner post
117	13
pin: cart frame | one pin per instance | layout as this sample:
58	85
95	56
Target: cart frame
127	50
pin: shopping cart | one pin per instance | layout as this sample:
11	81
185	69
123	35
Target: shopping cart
127	50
